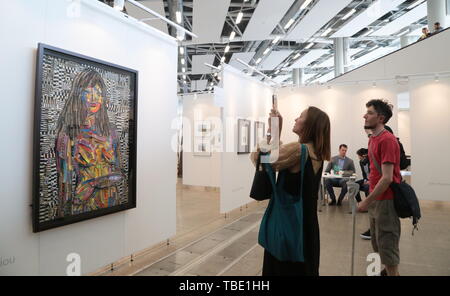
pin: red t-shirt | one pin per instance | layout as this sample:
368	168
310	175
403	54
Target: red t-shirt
385	149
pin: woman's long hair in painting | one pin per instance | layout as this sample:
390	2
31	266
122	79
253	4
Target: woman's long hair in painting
69	126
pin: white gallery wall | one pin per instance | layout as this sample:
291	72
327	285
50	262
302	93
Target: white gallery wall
243	97
429	99
345	106
427	56
90	28
430	127
200	170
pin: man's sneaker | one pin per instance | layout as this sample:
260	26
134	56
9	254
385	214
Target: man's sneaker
332	203
366	235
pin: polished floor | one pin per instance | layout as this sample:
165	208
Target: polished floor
210	244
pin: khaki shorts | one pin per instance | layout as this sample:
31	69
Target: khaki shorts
385	231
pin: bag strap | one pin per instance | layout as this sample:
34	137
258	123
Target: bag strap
271	173
302	167
377	166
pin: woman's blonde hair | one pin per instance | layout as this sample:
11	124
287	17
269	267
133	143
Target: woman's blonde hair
316	129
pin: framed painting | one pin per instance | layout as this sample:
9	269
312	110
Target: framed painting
259	132
85	127
243	136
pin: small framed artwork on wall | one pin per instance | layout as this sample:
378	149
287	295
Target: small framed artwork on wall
259	132
243	136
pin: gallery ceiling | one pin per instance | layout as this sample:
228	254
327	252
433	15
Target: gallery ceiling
277	36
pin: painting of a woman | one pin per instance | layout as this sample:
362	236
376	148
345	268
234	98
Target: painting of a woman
87	153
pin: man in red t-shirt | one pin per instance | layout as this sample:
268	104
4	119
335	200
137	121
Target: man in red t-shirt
384	156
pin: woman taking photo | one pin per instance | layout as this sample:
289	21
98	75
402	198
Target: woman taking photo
313	130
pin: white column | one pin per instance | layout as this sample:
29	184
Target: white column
436	13
340	55
297	76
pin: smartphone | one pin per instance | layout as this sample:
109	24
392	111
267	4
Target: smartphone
274	102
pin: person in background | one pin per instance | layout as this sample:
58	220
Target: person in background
365	169
364	182
425	34
384	157
339	163
437	28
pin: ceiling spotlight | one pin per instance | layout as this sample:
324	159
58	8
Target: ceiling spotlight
276	39
311	44
239	17
296	56
227	49
277	71
178	16
215	74
222	59
374	84
181	50
327	31
266	51
182	61
183	69
258	60
349	14
184	76
436	78
305	4
289	23
232	35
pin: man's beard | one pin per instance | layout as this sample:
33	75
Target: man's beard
366	127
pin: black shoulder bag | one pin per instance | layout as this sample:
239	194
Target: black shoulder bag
261	187
405	200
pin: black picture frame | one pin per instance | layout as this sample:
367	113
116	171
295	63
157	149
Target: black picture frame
45	51
243	146
255	131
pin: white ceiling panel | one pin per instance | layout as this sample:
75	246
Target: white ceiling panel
330	62
281	78
324	78
405	20
198	63
316	18
274	59
267	15
327	63
246	57
364	19
417	32
377	53
208	19
155	5
308	58
199	84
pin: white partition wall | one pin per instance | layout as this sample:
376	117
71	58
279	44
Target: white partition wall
243	98
200	170
430	138
345	105
96	30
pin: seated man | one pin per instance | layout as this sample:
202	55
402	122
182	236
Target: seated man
365	169
341	163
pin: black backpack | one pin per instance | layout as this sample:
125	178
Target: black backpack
405	199
404	162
